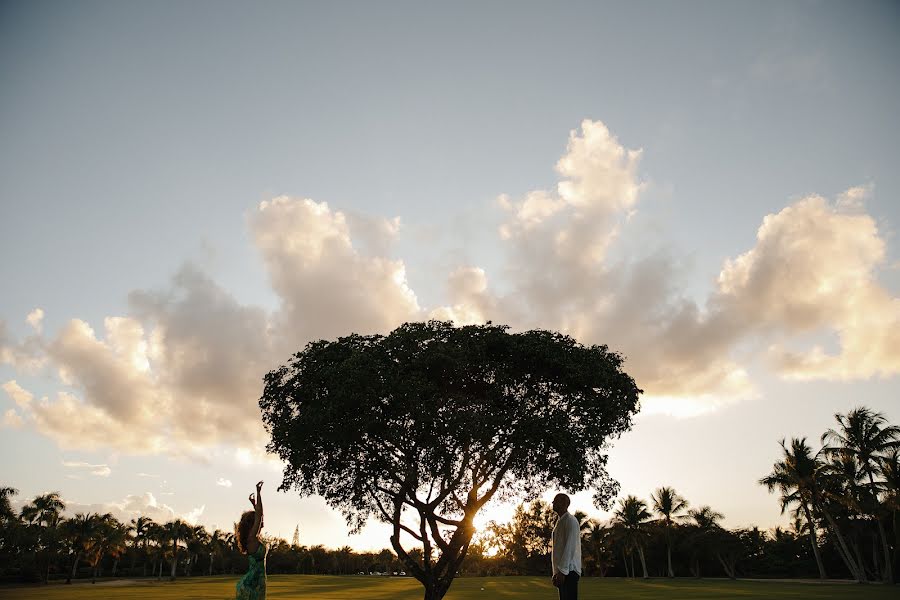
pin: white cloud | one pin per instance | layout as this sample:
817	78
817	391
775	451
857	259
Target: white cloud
27	356
470	301
813	269
97	470
193	516
36	318
12	419
182	371
18	394
223	482
327	287
137	505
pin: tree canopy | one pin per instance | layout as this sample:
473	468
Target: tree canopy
433	421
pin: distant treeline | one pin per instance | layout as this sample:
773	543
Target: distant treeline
843	501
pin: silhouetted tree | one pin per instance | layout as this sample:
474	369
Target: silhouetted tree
795	476
667	504
435	421
867	436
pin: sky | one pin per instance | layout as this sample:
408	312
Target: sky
191	192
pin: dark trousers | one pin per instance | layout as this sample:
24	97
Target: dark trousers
569	589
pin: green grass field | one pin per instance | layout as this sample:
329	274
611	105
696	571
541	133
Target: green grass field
467	588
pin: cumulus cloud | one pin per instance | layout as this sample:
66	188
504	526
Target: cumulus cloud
36	319
813	269
12	419
134	506
470	300
561	278
182	370
209	354
223	482
326	286
18	394
26	356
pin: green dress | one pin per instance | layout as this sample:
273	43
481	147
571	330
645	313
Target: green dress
252	586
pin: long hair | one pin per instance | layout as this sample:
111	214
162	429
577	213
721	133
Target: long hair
242	530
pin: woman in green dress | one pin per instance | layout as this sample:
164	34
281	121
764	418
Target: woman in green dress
252	586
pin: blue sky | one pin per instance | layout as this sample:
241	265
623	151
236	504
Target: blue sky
137	138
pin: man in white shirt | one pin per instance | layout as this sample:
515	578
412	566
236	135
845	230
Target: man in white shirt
565	555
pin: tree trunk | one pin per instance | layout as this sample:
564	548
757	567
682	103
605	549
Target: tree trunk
172	575
728	570
886	575
814	540
115	564
74	567
897	541
845	554
625	563
643	561
669	556
854	545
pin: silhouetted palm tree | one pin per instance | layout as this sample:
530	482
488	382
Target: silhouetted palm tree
217	547
632	516
103	533
597	542
78	531
197	541
141	527
890	472
6	511
866	435
795	477
176	531
667	504
44	512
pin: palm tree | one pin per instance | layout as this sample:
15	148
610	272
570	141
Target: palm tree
79	530
197	542
157	534
141	527
795	477
217	546
844	494
176	531
596	541
103	535
632	515
6	511
117	542
667	504
44	513
706	527
867	436
890	472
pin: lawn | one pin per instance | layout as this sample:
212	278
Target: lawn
467	588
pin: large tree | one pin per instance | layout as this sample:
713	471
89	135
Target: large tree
431	422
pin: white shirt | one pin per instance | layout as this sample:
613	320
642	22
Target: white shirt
566	553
